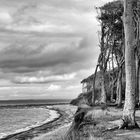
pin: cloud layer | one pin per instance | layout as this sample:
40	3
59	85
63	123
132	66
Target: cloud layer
52	43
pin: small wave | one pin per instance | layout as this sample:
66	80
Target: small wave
2	135
52	115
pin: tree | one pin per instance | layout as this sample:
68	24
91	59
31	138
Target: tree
119	88
130	66
136	18
111	48
93	89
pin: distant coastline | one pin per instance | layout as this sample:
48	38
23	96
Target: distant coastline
31	102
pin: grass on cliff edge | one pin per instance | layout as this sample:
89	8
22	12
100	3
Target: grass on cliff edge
96	125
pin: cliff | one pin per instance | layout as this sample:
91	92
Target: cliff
85	97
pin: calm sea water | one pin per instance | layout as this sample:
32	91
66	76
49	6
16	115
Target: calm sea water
16	120
21	118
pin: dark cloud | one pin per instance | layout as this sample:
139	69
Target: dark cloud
30	57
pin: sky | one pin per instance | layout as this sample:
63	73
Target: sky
47	47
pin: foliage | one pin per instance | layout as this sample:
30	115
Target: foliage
111	41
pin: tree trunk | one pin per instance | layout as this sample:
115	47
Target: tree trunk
103	66
103	98
112	89
93	89
130	67
119	89
137	80
139	83
112	93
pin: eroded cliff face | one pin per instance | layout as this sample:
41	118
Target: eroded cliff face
110	86
83	98
86	98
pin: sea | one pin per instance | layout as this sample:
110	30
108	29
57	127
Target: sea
21	115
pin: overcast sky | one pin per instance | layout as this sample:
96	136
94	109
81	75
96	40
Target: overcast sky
47	47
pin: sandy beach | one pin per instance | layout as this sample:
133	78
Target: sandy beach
54	129
59	132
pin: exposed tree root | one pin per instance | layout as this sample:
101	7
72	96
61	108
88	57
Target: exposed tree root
119	105
111	129
86	123
103	106
123	125
137	105
128	125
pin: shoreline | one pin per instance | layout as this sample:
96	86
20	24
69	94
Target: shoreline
52	115
62	119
